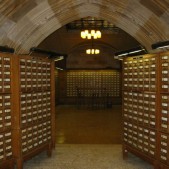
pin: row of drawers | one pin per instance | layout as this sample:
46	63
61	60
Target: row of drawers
34	71
141	99
36	87
94	85
82	74
41	97
5	145
150	85
5	71
164	113
142	119
140	80
95	89
5	122
143	139
89	83
112	93
108	79
33	137
147	87
164	148
141	62
136	77
131	72
5	86
35	84
5	111
34	77
152	60
36	64
96	92
31	118
5	60
35	107
87	80
5	75
5	101
141	108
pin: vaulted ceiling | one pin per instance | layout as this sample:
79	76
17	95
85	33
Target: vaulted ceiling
68	41
27	23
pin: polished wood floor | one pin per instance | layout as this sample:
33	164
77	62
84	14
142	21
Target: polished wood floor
88	126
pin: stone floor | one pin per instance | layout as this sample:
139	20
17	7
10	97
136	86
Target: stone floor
83	156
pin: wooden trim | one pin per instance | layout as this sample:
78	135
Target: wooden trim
53	104
16	116
8	164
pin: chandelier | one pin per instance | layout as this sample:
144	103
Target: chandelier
86	34
91	28
92	51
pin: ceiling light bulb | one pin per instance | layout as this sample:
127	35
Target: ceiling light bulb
83	35
88	51
97	51
86	32
92	32
89	36
95	36
98	34
93	51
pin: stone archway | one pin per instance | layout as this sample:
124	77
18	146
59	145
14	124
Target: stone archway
27	28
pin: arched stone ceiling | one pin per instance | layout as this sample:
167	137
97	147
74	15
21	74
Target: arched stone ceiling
26	23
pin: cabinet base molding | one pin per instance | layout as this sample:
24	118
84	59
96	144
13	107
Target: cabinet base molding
9	164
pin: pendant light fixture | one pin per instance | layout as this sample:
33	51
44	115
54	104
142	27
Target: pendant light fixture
89	34
92	50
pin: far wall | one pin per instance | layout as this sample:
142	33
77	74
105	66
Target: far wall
78	59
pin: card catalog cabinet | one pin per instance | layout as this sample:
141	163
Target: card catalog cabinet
146	108
140	107
27	108
95	88
6	153
33	108
95	80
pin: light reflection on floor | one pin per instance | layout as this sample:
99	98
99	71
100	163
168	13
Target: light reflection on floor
88	126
